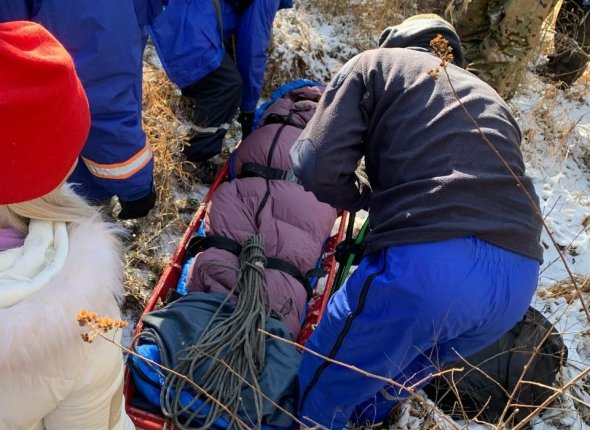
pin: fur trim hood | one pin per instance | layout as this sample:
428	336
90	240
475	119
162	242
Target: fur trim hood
43	326
417	31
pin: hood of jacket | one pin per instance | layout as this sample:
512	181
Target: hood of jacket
417	31
37	330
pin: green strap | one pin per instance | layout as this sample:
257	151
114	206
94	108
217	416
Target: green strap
344	273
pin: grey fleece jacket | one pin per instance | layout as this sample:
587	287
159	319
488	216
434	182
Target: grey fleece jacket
432	175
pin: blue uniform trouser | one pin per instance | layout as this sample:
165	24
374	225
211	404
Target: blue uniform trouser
404	312
215	100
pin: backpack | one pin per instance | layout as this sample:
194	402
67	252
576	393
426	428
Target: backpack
503	361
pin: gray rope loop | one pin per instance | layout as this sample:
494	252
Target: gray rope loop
227	348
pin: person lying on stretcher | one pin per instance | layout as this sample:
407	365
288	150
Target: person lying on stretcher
293	222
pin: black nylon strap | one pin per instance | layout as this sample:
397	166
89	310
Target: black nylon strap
255	169
275	118
288	268
316	273
198	244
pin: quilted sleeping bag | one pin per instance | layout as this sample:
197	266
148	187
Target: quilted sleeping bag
294	223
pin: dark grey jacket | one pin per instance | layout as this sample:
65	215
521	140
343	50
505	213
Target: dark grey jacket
432	175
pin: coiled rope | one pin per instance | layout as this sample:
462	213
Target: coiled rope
227	348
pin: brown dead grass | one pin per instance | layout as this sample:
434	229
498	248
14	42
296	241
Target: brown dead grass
150	236
167	135
370	17
566	290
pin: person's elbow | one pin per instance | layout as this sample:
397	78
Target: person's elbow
303	157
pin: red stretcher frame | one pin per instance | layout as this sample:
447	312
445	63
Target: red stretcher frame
145	420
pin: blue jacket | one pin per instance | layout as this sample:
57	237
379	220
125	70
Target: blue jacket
105	40
189	43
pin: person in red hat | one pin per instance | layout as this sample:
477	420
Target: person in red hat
57	255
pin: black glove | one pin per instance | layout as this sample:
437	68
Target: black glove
346	248
246	119
137	208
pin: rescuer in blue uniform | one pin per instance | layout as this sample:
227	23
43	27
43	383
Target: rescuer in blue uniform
215	52
106	40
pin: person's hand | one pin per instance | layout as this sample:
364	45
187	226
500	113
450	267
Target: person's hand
363	184
139	208
349	247
246	119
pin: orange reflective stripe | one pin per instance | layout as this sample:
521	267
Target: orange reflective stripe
121	170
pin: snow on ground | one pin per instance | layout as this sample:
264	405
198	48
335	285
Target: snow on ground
557	151
555	124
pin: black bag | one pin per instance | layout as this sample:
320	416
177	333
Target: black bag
491	375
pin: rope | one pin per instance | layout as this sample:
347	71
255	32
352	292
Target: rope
227	348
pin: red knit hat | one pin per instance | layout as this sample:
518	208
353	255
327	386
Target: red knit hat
44	116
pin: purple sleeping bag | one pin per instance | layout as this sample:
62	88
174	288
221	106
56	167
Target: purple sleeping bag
294	223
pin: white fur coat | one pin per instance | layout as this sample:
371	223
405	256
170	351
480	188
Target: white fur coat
49	377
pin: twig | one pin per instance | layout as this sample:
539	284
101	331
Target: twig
520	185
283	410
90	319
384	379
558	391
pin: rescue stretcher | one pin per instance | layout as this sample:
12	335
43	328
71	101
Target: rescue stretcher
143	414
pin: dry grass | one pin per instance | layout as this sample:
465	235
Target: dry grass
286	64
566	290
553	124
369	17
167	135
153	236
300	51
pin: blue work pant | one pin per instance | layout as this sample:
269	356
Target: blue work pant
406	311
